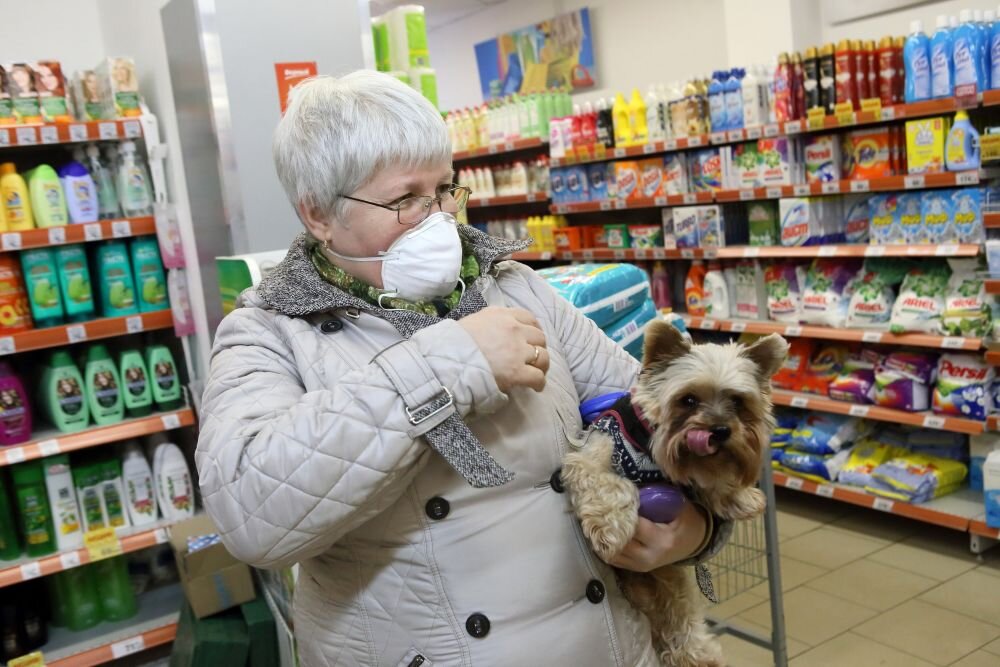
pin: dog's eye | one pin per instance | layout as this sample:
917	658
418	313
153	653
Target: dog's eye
690	401
738	402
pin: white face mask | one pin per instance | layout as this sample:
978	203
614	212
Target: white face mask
422	264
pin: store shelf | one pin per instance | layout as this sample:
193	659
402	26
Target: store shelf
108	327
991	220
642	202
829	333
499	149
68	133
53	442
992	286
750	252
922	419
979	527
530	198
154	624
958	511
95	231
131	539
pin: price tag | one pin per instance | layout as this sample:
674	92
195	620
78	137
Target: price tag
160	535
753	132
69	560
860	185
566	254
660	201
619	152
946	250
751	251
171	421
717	137
827	251
659	253
831	188
648	148
545	256
93	232
640	253
128	647
710	253
846	118
4	137
555	162
49	447
101	543
933	421
14	455
802	190
76	333
57	235
735	135
484	201
12	241
531	197
858	411
690	198
774	193
794	483
708	324
913	181
875	251
77	132
738	327
605	205
120	228
799	401
695	141
888	113
618	254
35	659
134	324
871	337
816	121
588	254
561	209
793	330
746	194
50	135
967	178
7	345
882	504
508	146
107	131
31	570
952	342
132	129
620	204
793	127
27	136
772	130
825	490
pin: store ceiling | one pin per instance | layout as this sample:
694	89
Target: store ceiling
438	12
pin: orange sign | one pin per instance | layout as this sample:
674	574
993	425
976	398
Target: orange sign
290	75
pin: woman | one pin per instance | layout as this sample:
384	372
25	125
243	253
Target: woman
389	408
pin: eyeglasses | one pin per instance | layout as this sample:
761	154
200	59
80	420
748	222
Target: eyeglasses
414	210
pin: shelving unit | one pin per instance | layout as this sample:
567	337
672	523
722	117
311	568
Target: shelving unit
68	334
754	252
85	233
499	149
69	133
512	200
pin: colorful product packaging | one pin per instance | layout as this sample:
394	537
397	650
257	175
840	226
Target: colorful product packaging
825	294
6	102
597	237
646	236
857	218
925	139
921	300
746	166
963	386
577	188
909	205
886	228
706	170
627	180
794	367
686	226
937	208
778	161
762	218
784	294
120	87
867	153
822	159
651	177
557	185
568	238
967	309
617	235
24	97
675	180
602	292
750	290
597	179
968	206
799	222
711	226
52	96
903	381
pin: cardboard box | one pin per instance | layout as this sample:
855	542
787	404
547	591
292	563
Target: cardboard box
925	139
568	238
212	578
627	179
651	177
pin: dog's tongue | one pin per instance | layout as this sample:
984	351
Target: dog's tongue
698	441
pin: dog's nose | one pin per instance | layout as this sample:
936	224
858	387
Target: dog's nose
721	433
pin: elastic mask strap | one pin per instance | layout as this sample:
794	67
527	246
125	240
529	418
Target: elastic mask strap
394	294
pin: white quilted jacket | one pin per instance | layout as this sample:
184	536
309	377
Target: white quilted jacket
306	456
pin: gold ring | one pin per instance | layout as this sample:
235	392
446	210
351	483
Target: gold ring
535	359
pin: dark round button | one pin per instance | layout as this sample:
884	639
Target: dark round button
437	508
595	591
478	625
332	325
556	481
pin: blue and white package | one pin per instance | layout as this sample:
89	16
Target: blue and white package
938	212
857	219
825	433
814	466
910	220
597	179
964	384
968	206
991	489
629	330
686	226
557	184
602	292
576	185
883	212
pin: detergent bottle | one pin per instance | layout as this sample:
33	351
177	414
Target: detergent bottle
717	103
620	116
694	289
637	119
916	62
734	100
942	71
965	53
962	148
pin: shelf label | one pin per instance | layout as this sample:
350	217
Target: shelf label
858	411
914	181
7	345
132	129
690	198
484	201
605	205
31	570
772	130
831	188
659	253
14	455
825	490
946	250
751	251
618	152
696	141
753	132
171	421
50	134
76	333
802	190
101	543
708	324
640	253
670	144
871	337
952	342
882	504
933	421
648	148
746	194
4	137
687	253
107	131
619	254
545	256
134	323
793	330
888	113
555	162
717	137
860	185
793	127
620	204
846	118
799	401
738	327
875	251
26	136
660	201
710	253
57	235
561	209
827	251
69	560
566	254
49	447
12	241
774	193
531	197
120	228
161	535
735	135
794	483
128	647
93	232
492	149
77	132
35	659
967	178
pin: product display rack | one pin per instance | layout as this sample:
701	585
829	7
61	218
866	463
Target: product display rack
515	146
754	252
81	332
70	133
511	200
84	233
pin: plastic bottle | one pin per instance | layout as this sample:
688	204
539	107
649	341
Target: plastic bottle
134	193
678	111
637	119
717	103
174	488
696	108
61	394
916	63
654	120
942	71
42	282
16	201
872	68
151	283
576	127
48	205
140	493
965	53
103	386
10	546
846	76
783	90
62	500
694	289
886	57
765	76
116	596
810	79
34	513
860	71
660	286
136	390
114	275
166	383
113	494
75	592
623	128
15	411
994	51
15	311
74	282
733	100
180	300
605	124
716	294
588	125
985	38
518	186
80	192
107	194
753	105
798	87
87	480
962	147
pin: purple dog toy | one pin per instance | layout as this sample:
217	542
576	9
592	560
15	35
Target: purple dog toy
660	502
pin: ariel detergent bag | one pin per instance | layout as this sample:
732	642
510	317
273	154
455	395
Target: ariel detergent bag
963	386
629	330
602	292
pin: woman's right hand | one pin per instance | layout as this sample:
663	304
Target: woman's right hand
509	338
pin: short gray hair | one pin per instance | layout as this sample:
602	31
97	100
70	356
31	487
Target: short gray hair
337	133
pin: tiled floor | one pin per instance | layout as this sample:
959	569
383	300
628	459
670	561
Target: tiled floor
868	589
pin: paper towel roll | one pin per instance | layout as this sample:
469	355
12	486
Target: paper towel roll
424	79
407	37
380	35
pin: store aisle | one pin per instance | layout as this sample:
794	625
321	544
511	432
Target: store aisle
864	589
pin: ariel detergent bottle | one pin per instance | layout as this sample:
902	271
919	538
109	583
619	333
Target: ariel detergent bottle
961	151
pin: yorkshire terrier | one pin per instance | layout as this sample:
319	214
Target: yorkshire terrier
701	416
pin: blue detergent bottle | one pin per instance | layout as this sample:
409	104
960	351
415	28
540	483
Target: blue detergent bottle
717	103
961	151
942	70
965	51
994	53
916	63
734	99
984	21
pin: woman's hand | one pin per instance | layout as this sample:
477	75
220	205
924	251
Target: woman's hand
514	345
657	544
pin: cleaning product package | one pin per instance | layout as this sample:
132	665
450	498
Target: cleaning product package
711	226
980	447
963	386
762	219
884	214
827	292
784	294
937	209
602	292
826	434
903	381
685	225
921	300
694	289
717	297
865	456
628	330
815	467
915	478
911	221
857	219
967	204
799	221
794	368
991	489
856	381
967	306
750	293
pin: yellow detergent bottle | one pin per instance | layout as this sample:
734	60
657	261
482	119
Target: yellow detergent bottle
620	119
637	119
16	205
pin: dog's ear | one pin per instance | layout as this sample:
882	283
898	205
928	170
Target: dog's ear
663	343
768	354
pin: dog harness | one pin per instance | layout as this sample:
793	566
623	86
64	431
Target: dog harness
631	432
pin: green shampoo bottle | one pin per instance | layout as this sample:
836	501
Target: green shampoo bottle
150	281
62	398
166	382
74	283
10	547
33	509
114	273
42	281
103	387
137	391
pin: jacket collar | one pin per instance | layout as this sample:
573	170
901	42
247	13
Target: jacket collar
296	289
